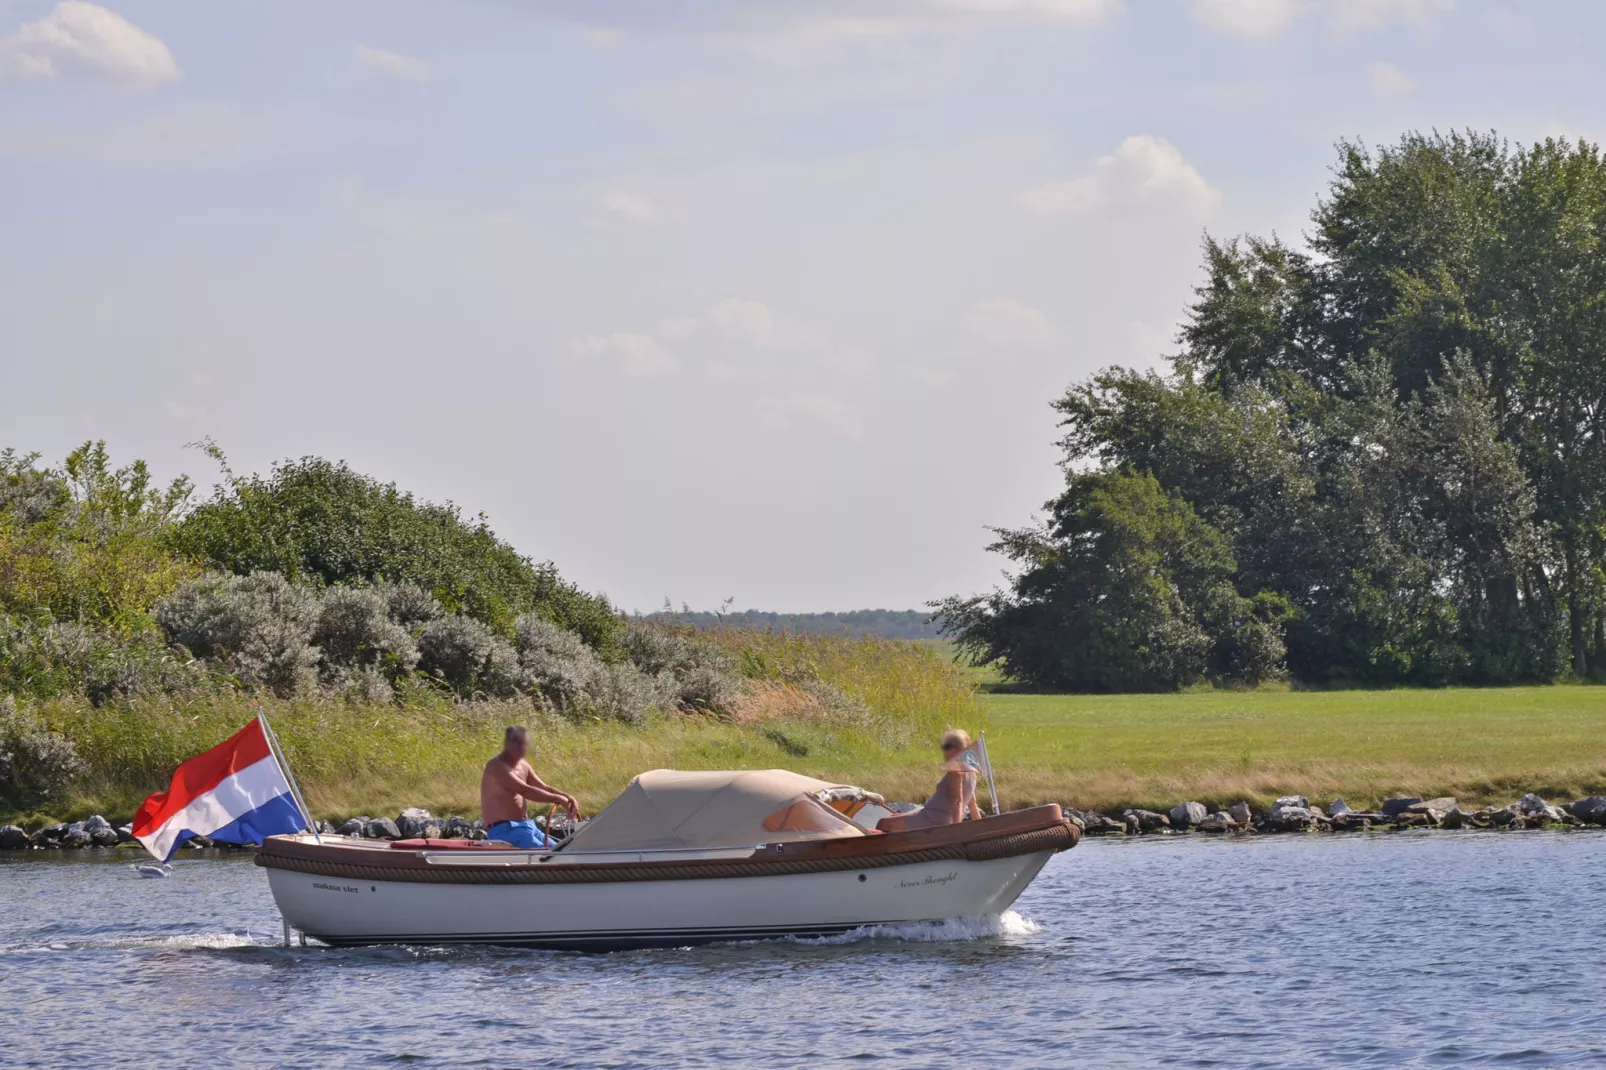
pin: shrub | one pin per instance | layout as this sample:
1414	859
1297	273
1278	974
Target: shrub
35	765
468	656
622	692
51	659
704	676
708	690
355	632
410	605
84	543
260	626
555	664
366	684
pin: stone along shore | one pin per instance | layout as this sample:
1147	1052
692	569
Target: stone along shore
1291	813
1296	813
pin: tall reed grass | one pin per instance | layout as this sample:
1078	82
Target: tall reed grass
841	708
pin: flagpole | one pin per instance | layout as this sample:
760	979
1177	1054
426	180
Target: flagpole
992	786
295	791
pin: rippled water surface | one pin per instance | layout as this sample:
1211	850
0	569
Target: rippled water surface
1460	949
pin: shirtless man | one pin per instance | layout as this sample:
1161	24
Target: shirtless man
507	783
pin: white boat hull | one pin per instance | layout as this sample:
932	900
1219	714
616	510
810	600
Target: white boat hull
647	913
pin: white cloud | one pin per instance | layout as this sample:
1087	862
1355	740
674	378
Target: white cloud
1386	80
1267	18
636	354
1348	16
1142	170
1073	10
81	40
631	207
740	322
1246	18
1004	322
803	30
729	328
394	64
746	322
828	411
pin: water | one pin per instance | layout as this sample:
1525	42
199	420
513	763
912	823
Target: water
1463	949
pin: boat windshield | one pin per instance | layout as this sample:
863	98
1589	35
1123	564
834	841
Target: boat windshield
807	815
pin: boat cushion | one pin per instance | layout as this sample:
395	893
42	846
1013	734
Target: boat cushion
460	845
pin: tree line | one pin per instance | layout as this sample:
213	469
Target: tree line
880	623
1379	459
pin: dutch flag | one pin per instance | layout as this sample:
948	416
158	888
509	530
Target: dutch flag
234	793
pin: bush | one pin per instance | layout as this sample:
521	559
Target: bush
555	664
355	631
410	605
84	543
260	626
703	676
53	659
468	656
621	692
35	765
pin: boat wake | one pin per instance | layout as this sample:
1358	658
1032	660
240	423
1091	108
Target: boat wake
187	942
949	930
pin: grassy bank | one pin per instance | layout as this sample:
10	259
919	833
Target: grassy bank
826	705
1096	752
1112	751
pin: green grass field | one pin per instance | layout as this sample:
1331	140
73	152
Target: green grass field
1111	751
1101	752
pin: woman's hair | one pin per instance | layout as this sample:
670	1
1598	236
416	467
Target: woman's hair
957	736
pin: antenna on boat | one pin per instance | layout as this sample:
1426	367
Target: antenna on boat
295	791
992	785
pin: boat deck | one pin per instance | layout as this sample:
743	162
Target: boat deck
1004	835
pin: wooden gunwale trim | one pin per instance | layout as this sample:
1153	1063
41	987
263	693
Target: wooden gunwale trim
345	865
902	848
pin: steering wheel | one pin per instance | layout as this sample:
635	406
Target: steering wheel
552	840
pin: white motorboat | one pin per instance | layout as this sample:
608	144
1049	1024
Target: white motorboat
679	858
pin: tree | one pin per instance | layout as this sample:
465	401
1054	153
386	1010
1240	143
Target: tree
1125	589
1401	430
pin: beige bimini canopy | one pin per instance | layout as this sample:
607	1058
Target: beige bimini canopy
666	808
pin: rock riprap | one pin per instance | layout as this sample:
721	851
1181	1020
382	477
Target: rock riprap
1591	811
1188	814
1289	813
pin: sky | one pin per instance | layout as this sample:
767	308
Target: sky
700	299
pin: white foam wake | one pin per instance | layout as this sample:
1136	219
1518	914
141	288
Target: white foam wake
213	941
948	930
192	941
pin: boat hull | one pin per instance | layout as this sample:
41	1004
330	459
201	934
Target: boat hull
349	892
596	917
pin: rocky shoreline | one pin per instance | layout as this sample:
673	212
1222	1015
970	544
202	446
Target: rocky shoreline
412	823
1291	813
1296	813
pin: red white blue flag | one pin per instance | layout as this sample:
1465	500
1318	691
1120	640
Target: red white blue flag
234	793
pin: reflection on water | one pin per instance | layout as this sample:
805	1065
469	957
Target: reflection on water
1382	950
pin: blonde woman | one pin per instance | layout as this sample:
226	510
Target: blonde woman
955	794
